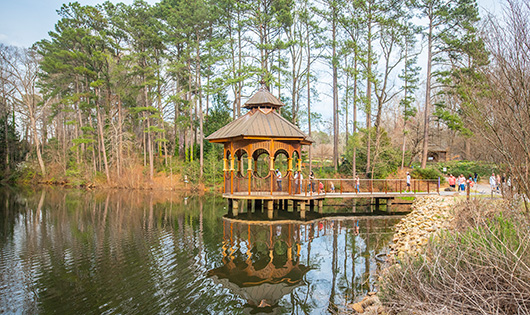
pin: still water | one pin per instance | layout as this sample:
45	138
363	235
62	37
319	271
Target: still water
77	252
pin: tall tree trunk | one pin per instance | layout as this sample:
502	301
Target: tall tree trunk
308	79
427	98
64	145
347	103
80	157
102	138
150	150
234	72
294	99
354	131
240	60
335	92
120	137
144	142
149	138
6	137
201	119
405	117
192	131
369	91
37	141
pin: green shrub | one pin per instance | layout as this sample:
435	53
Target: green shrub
483	169
427	173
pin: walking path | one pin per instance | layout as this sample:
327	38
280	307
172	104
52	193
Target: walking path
478	190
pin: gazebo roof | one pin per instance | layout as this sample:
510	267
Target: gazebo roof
263	98
262	120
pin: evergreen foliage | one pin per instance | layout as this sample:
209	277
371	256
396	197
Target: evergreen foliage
128	84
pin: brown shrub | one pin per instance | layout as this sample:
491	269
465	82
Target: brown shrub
481	267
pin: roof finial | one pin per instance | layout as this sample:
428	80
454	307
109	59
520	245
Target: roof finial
263	85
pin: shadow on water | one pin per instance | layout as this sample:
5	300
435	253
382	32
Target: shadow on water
67	251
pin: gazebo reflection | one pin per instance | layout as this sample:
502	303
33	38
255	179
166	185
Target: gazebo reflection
261	261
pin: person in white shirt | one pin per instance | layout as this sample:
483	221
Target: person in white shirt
493	182
279	179
408	183
298	179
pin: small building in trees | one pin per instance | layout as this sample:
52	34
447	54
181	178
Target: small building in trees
437	154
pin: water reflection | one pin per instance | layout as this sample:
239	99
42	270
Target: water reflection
261	261
264	261
142	252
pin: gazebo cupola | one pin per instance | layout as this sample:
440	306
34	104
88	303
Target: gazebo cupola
262	131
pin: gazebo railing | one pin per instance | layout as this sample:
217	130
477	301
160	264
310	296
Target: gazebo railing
291	186
339	186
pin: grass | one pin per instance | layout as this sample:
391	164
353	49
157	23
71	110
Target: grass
481	266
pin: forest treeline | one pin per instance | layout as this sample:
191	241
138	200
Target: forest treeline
117	86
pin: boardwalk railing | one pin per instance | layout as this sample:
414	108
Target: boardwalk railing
292	186
340	186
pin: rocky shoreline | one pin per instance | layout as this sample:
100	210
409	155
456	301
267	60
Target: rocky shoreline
429	215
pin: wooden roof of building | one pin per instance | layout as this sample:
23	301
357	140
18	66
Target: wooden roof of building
261	121
263	98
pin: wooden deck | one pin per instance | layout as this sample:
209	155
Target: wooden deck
316	196
382	191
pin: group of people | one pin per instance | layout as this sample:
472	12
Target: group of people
299	179
498	182
460	182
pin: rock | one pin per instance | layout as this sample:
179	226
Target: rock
429	215
358	308
367	302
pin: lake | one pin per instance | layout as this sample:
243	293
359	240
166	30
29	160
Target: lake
131	252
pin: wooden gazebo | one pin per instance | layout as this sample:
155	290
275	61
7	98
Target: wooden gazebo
262	131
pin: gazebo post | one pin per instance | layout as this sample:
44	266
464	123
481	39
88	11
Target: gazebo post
249	172
272	172
289	172
232	174
225	169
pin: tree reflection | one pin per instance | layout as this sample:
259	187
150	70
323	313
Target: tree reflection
131	252
263	261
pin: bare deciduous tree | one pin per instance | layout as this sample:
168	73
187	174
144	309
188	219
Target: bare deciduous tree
498	106
22	66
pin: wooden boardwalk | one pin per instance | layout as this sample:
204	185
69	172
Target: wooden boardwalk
382	191
317	196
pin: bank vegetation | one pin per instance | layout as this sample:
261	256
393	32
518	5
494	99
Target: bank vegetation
480	265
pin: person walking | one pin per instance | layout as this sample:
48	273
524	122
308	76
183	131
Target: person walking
357	183
279	179
452	181
311	179
408	183
298	178
461	183
493	182
475	177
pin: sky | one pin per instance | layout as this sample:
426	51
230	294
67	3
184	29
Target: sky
25	22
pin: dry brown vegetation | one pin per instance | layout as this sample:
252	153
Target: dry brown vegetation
482	266
496	97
